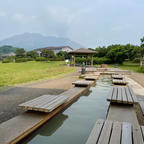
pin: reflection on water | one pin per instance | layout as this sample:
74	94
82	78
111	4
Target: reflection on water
73	125
49	128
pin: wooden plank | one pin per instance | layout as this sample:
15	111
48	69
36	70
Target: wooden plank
82	83
133	95
110	94
126	133
130	100
116	133
137	135
119	97
119	82
106	132
124	97
95	133
114	98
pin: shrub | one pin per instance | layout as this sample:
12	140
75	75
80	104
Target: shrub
19	60
6	60
136	60
96	60
40	59
56	59
102	60
141	69
30	59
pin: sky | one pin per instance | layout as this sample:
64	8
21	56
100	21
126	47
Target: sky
91	23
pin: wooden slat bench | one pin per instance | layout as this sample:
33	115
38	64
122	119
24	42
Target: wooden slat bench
124	95
91	77
115	76
113	132
45	103
81	83
119	81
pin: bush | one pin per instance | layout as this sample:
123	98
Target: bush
102	60
57	59
6	60
141	69
40	59
19	60
96	60
136	60
30	59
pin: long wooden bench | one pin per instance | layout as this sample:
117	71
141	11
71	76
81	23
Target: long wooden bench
119	81
45	103
91	77
115	76
114	132
124	95
82	83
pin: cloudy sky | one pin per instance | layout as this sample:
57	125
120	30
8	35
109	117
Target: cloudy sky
89	22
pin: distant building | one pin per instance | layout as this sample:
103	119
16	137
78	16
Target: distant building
8	55
55	49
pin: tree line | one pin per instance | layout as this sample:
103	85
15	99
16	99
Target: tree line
119	53
46	55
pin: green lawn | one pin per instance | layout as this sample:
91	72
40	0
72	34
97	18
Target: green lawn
128	66
16	73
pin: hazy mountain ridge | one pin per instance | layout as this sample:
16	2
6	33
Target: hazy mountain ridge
31	41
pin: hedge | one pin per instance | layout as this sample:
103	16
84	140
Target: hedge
40	59
19	60
96	60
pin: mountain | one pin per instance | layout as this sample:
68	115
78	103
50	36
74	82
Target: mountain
31	41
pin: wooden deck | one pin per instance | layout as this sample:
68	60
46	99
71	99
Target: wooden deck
115	76
45	103
113	132
123	95
119	81
83	83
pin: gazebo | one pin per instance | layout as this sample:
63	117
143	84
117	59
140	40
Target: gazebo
82	52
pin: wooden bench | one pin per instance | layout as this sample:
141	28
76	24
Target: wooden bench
115	76
124	95
45	103
82	83
119	81
114	132
91	77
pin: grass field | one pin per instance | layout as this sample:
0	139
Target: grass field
16	73
129	66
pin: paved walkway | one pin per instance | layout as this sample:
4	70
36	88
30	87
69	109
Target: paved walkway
11	97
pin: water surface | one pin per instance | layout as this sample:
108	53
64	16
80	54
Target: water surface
74	124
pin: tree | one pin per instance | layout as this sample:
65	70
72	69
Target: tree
48	53
116	53
20	53
63	54
32	54
7	49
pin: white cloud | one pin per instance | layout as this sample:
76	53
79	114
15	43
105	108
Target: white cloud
23	18
2	14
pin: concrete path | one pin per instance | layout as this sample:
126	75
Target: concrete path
11	97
